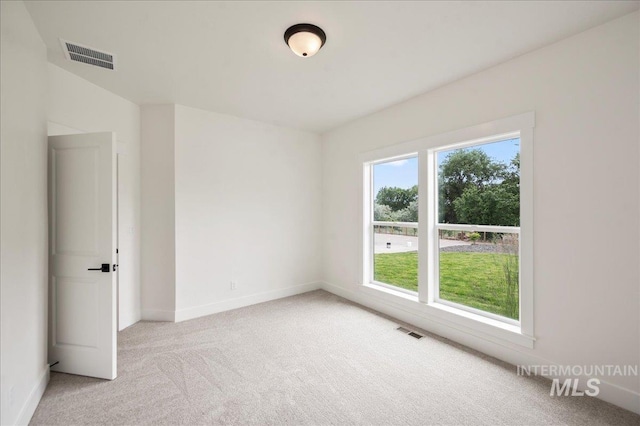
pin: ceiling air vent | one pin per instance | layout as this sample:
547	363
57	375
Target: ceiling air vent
88	55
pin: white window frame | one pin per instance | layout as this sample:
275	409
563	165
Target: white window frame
427	303
370	228
430	156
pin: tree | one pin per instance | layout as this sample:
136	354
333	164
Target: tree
397	198
512	175
493	205
461	170
384	213
410	214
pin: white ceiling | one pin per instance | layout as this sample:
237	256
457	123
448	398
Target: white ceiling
230	57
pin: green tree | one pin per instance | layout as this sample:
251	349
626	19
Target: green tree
495	204
383	212
410	214
512	175
492	202
461	170
397	198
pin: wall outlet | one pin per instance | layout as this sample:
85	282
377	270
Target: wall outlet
234	284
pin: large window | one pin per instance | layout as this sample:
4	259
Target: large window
448	223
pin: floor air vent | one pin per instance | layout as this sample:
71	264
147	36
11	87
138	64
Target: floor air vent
88	55
410	333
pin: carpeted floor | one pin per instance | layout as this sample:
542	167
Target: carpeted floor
308	359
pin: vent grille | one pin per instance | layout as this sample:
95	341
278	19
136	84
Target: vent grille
410	333
72	48
87	55
90	61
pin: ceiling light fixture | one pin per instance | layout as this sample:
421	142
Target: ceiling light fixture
305	39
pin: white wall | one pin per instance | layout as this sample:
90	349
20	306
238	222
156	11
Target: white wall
247	209
158	212
23	261
585	93
224	198
78	106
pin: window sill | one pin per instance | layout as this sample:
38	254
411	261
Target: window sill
467	322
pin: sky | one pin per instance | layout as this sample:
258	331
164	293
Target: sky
404	173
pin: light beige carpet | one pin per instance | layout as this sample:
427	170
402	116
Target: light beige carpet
308	359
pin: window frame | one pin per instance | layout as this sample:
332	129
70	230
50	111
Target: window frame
369	222
427	303
431	156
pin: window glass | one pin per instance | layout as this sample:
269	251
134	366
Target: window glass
480	185
395	246
480	270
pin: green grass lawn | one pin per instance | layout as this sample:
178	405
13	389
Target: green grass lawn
471	279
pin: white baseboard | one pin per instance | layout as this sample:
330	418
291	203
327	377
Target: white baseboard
609	392
240	302
33	400
158	315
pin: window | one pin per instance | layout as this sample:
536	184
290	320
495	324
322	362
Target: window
395	224
477	226
448	225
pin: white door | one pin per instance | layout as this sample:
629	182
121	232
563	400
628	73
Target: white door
82	253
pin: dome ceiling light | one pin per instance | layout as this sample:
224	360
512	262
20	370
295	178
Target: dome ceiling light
305	39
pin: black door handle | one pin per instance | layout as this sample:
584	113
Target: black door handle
104	268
